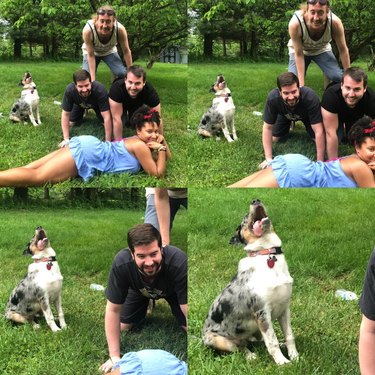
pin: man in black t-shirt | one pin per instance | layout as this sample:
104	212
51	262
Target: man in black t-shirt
343	104
288	103
126	96
367	330
144	271
81	96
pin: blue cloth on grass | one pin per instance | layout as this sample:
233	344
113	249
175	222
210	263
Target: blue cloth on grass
151	362
295	170
91	154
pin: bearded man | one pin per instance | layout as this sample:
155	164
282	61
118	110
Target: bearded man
143	272
80	96
286	105
343	104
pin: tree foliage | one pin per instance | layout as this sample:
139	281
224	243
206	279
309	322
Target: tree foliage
57	25
260	27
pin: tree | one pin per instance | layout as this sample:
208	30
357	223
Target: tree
57	25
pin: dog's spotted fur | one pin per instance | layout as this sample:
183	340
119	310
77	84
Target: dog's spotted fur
258	294
27	106
220	115
39	288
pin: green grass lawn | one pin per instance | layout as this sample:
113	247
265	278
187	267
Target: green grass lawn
23	143
327	237
214	163
86	242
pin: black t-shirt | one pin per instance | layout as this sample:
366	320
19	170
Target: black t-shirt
147	96
333	102
98	98
367	300
172	278
306	110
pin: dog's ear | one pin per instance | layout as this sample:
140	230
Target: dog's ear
237	238
27	251
212	89
20	83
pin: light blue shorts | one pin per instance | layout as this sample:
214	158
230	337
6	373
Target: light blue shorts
151	362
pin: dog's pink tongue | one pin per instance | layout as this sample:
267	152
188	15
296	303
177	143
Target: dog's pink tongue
41	244
258	228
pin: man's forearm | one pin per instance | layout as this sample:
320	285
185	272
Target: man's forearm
117	128
332	146
112	332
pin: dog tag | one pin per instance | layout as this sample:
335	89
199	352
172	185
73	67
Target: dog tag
271	261
49	265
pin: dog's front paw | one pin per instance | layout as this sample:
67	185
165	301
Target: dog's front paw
250	356
281	360
293	355
54	327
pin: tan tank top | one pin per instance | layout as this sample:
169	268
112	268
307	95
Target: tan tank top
313	47
101	49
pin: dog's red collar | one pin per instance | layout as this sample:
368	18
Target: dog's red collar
272	250
49	260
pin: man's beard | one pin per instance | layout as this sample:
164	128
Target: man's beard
155	272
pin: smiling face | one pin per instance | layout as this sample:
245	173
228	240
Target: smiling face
290	94
149	132
366	151
148	258
316	16
352	91
133	84
104	25
84	88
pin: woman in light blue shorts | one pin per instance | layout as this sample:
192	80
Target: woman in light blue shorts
86	154
150	362
294	170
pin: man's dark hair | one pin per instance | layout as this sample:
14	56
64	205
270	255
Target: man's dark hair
356	74
81	75
143	234
138	71
287	79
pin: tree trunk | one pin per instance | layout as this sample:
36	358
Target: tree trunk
224	48
254	44
208	45
54	47
17	49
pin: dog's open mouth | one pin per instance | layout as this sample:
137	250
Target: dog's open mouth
259	218
41	239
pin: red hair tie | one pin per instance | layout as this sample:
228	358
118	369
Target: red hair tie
147	117
368	131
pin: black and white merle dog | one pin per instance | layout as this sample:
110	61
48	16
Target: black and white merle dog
40	288
220	115
27	106
258	294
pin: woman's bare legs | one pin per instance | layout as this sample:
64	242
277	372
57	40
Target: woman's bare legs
55	167
263	178
37	163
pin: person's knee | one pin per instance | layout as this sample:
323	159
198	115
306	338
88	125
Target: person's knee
276	139
126	327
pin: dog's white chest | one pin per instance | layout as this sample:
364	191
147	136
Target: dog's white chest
31	97
223	104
